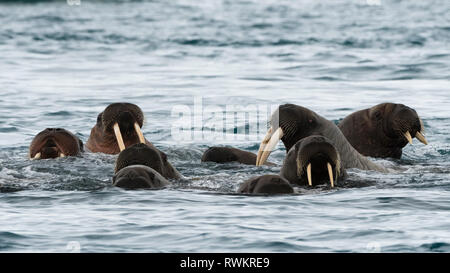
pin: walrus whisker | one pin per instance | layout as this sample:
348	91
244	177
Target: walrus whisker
308	172
119	137
263	145
330	174
139	132
276	136
408	137
300	167
421	138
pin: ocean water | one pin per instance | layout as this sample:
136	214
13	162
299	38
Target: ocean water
61	64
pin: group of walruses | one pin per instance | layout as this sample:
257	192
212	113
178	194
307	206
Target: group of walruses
318	150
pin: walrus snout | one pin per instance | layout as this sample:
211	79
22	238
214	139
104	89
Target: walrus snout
125	114
319	159
124	119
55	142
126	122
406	124
313	160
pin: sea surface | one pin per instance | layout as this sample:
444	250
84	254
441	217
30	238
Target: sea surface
61	64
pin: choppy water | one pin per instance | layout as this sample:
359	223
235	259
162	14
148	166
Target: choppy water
61	65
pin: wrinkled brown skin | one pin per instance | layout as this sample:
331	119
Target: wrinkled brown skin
317	150
102	138
142	154
378	131
139	177
229	154
266	184
51	142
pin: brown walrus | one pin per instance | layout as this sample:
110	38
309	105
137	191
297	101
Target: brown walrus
266	184
139	177
55	142
142	154
383	130
312	161
117	127
290	123
230	154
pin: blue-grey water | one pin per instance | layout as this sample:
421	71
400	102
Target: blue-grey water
61	64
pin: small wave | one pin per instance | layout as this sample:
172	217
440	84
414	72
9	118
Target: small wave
436	247
11	240
250	43
437	56
11	235
328	78
8	129
59	113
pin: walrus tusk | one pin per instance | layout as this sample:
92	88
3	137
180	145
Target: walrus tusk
139	132
37	156
408	137
62	155
421	138
330	173
263	145
308	172
119	137
267	149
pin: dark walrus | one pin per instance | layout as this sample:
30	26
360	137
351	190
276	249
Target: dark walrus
55	142
229	154
312	161
383	130
142	154
266	184
290	123
139	177
117	127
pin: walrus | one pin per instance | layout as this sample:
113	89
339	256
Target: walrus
142	154
53	143
117	127
290	123
230	154
139	177
266	184
383	130
312	161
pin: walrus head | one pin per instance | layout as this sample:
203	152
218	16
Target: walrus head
266	184
399	123
289	123
121	123
150	156
317	161
141	154
55	142
139	177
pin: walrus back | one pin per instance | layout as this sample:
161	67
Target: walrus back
350	157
